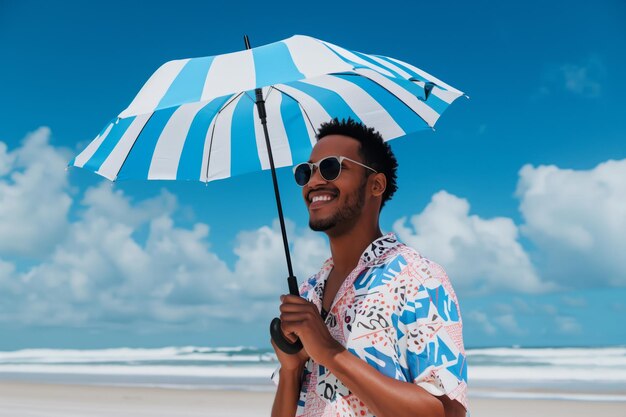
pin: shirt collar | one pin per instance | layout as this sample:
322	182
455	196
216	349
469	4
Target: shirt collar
378	248
375	253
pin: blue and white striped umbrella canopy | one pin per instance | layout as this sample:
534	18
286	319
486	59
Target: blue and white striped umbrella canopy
196	119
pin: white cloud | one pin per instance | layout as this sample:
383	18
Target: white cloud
103	271
125	261
482	321
34	200
122	261
493	323
577	220
568	325
508	323
584	79
100	269
310	250
6	159
7	278
479	254
104	201
195	275
261	270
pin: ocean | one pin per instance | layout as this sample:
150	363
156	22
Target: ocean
577	374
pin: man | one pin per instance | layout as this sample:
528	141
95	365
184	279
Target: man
390	342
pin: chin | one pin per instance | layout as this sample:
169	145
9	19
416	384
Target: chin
331	226
321	225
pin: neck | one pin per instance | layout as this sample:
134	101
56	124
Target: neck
347	248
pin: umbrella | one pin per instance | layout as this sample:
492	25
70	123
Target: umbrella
215	117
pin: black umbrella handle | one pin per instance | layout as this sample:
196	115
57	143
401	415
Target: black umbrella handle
276	332
281	341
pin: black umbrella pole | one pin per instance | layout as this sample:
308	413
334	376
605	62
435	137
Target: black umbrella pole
275	327
291	281
260	103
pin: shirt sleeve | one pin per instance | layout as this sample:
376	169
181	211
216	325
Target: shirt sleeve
434	342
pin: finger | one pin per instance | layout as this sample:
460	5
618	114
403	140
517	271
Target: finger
293	308
298	323
290	330
296	317
293	299
289	335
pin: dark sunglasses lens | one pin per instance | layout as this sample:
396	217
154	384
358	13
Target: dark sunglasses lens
302	174
329	168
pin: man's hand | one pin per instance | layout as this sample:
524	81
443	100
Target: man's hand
384	395
290	362
301	318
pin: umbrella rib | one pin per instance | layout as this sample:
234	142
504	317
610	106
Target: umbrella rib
300	105
248	95
269	90
131	148
208	161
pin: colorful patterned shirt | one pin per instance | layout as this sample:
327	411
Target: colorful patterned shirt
398	312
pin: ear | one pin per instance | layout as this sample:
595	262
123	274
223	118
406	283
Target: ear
379	184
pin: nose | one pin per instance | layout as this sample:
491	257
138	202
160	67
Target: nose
316	178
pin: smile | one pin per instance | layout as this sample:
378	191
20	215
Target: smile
321	198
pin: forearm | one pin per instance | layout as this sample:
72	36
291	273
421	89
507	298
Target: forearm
385	396
287	393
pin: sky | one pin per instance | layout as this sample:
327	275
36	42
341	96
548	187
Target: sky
519	193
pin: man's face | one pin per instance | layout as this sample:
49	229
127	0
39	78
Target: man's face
342	200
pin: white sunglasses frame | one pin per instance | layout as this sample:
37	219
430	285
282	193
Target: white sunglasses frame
317	165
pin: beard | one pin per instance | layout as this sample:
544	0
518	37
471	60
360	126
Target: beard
347	214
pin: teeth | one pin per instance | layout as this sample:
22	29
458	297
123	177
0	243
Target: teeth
321	198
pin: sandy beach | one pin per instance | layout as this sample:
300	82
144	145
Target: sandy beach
25	399
52	400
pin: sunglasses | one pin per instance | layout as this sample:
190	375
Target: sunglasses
329	167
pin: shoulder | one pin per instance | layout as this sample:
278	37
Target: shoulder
424	273
416	265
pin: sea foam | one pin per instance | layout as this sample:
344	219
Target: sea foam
586	374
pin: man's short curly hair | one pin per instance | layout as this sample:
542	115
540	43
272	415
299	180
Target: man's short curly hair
375	152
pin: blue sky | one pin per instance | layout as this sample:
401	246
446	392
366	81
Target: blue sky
520	193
